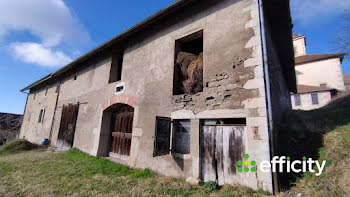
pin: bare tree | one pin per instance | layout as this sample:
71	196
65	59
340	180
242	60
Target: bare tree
342	42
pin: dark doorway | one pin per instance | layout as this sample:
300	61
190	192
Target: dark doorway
67	126
121	130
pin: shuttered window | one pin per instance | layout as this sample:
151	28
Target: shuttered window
162	136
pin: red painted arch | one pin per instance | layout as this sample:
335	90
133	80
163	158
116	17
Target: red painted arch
119	99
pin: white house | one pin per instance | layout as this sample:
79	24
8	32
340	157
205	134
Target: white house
317	74
311	97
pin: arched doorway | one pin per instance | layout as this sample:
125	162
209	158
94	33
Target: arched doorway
121	130
116	130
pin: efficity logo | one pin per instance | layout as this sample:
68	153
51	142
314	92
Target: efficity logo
284	164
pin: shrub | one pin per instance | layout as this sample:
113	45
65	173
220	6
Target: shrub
17	146
211	185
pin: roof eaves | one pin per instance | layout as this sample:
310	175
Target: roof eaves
37	82
113	40
336	55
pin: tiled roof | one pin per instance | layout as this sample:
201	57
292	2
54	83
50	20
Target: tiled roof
312	58
307	88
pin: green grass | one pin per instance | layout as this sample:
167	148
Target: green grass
17	146
39	172
334	122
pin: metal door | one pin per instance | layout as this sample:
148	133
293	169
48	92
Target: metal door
222	148
121	127
67	126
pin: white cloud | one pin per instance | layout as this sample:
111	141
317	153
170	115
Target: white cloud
49	20
310	10
35	53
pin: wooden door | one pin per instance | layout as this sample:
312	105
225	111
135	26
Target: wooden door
222	148
122	122
67	126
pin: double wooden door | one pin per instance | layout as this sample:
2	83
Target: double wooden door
122	121
222	148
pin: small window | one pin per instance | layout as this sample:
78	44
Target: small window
297	100
188	65
116	67
46	90
314	98
120	88
41	116
181	136
75	78
323	85
34	96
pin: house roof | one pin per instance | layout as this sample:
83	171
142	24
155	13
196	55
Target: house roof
347	79
279	17
308	89
126	34
297	35
312	58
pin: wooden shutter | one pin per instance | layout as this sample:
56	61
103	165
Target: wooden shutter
162	136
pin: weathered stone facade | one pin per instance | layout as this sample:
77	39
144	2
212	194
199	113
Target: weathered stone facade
233	87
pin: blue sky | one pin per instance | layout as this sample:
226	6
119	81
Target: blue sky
39	36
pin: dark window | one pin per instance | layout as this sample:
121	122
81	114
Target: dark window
162	136
297	100
314	98
41	116
323	85
188	66
181	136
225	121
120	88
116	67
46	91
75	78
34	96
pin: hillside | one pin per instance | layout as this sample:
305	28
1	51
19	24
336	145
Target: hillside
10	125
331	125
10	122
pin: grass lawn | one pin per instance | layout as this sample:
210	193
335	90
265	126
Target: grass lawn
335	181
39	172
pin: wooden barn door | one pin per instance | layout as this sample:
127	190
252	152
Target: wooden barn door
67	126
222	148
121	127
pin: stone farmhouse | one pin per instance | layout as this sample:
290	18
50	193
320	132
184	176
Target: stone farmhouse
186	92
319	76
